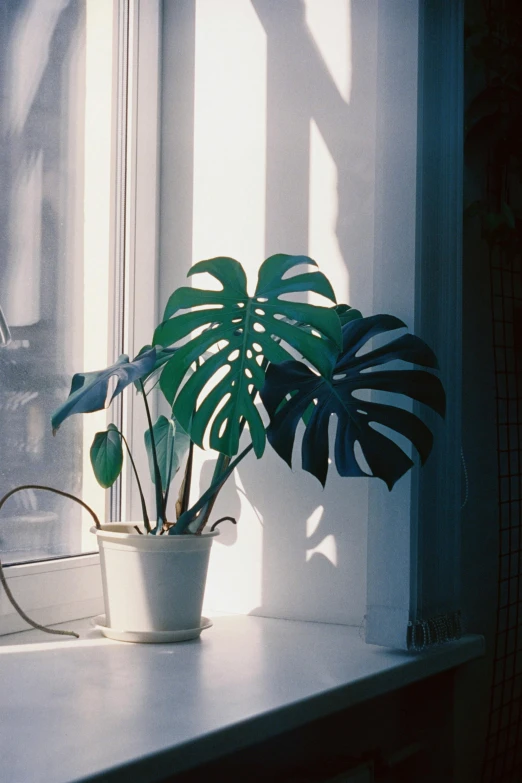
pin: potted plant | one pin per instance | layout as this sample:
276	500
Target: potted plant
217	355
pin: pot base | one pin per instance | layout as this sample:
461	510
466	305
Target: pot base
149	637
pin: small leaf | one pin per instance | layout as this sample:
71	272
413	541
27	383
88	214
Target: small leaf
107	456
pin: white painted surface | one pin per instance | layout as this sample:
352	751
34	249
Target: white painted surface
389	529
141	231
95	709
52	591
153	583
98	220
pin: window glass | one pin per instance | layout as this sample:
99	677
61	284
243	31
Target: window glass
56	120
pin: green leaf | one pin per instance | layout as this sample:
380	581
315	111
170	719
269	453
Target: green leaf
172	443
89	390
107	456
246	330
291	389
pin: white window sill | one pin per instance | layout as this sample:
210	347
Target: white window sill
95	709
52	591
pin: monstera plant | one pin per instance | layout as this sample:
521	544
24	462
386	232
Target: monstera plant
220	356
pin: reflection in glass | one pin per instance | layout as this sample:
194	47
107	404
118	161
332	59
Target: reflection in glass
43	143
5	334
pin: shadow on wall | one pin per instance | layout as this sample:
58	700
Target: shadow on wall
301	91
314	542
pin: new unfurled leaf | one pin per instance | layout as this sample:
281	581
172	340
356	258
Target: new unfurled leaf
172	443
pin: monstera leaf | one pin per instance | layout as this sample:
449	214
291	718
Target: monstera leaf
291	387
172	443
245	332
89	389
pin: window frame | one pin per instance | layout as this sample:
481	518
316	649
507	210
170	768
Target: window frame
51	591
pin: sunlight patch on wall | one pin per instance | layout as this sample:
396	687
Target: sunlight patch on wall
230	96
313	520
329	22
323	244
327	547
229	133
235	571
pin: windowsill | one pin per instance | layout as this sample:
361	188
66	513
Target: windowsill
96	709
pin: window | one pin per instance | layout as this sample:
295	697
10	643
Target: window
299	128
72	130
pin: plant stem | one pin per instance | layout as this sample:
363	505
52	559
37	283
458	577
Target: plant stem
223	462
146	521
3	580
169	476
184	493
190	515
160	510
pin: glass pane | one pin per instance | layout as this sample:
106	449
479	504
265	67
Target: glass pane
56	119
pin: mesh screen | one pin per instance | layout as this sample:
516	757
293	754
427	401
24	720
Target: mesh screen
500	55
503	758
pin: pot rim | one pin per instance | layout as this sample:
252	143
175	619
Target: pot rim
110	528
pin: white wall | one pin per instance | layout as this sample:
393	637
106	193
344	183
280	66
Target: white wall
269	120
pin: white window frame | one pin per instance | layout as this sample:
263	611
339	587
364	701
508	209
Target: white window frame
417	591
58	590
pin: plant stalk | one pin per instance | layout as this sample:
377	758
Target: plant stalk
184	492
169	476
190	515
223	462
160	510
146	521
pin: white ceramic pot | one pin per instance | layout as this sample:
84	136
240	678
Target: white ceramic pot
152	583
